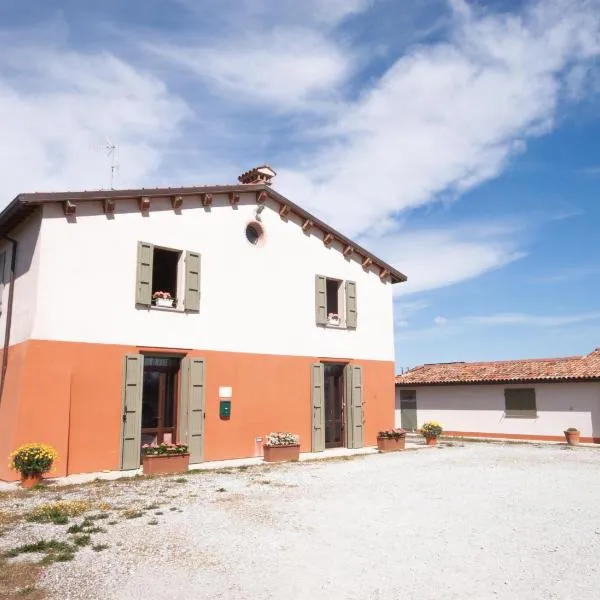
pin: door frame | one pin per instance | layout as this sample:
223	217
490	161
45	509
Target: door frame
176	396
343	403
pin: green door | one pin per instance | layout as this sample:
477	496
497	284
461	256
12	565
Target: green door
408	409
131	426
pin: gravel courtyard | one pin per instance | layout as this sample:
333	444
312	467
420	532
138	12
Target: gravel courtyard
460	521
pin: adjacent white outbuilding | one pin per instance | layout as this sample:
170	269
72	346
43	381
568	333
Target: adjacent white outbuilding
521	399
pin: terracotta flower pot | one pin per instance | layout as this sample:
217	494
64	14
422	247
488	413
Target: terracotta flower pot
166	463
431	441
572	437
31	480
385	444
281	453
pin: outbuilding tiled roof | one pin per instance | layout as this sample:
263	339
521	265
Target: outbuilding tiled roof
570	368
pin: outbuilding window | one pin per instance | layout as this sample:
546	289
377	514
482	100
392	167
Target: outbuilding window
519	403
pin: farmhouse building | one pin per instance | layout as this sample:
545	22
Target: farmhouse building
207	315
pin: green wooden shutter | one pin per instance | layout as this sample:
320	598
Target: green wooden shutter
191	407
321	299
351	309
192	281
145	264
354	406
131	428
318	406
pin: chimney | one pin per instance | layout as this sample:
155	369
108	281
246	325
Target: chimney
262	174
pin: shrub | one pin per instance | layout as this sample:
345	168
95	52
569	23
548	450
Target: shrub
431	429
392	434
33	459
282	438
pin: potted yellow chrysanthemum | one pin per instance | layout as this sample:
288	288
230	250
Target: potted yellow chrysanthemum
431	431
32	461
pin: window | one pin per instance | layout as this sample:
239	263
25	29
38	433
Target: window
164	275
520	403
167	278
333	288
254	233
335	302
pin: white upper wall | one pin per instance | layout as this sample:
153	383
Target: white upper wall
253	299
480	408
25	296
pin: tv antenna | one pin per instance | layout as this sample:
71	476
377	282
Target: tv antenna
112	153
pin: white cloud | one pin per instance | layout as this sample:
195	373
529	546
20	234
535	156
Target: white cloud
523	319
446	117
56	114
460	326
442	257
286	68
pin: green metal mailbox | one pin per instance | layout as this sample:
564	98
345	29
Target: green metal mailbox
225	409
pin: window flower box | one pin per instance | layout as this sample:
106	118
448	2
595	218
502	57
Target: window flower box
165	458
333	319
391	440
281	447
163	299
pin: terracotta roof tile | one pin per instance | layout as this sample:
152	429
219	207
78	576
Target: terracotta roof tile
538	369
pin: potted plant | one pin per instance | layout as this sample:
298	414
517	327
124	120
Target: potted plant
32	461
333	319
163	299
431	431
165	458
391	440
572	434
281	447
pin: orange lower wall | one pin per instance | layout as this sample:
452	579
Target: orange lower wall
69	395
519	436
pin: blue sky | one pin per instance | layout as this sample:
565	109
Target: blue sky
457	140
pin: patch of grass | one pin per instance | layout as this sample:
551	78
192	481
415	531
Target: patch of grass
153	522
39	546
19	579
58	557
82	540
53	550
264	481
133	513
181	480
152	506
112	522
100	547
26	591
58	512
173	508
159	512
76	528
221	489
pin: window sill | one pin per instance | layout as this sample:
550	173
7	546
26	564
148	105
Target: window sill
173	309
529	416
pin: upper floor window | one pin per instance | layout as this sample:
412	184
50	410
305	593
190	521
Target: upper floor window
520	403
335	302
167	277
